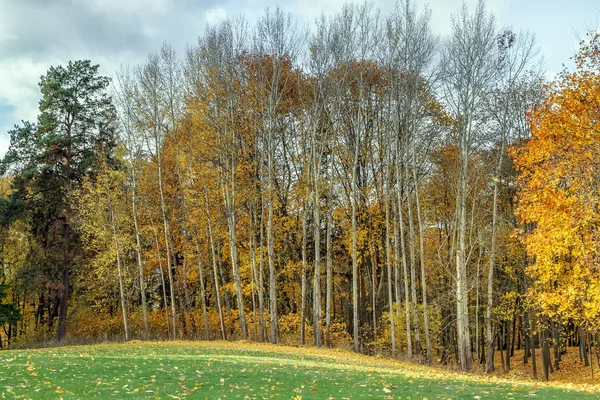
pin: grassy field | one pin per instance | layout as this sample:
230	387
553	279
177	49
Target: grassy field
220	370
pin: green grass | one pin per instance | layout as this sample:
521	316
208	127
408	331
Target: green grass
222	370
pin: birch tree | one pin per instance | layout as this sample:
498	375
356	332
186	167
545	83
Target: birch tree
126	108
518	74
276	44
470	69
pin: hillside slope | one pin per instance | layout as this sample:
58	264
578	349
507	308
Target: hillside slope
215	370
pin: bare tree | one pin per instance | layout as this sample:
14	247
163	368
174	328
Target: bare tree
409	54
120	272
125	99
354	49
518	74
151	118
221	51
470	69
276	44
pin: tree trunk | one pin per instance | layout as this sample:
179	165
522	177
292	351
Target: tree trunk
462	295
261	297
202	290
532	343
229	194
163	208
589	336
490	287
63	299
162	280
253	283
120	271
401	247
215	272
583	346
138	248
413	273
270	243
428	358
354	251
543	347
373	283
388	259
303	277
556	345
507	368
317	271
329	266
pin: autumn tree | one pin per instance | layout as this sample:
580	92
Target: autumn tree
518	74
469	63
277	43
75	130
102	220
558	198
9	313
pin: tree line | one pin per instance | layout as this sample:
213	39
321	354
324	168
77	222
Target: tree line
363	184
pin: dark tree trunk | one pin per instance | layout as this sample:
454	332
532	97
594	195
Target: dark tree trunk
556	345
583	346
61	330
507	344
532	343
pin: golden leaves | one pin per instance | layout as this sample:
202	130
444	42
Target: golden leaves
560	194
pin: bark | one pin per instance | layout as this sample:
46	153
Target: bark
462	296
138	244
532	343
261	285
120	271
401	247
329	265
254	280
583	345
167	235
202	290
428	357
317	268
507	368
543	351
229	195
413	274
63	299
354	256
388	258
303	277
490	286
270	245
215	271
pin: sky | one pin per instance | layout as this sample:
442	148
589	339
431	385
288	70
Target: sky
35	34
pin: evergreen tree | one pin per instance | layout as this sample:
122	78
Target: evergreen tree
74	131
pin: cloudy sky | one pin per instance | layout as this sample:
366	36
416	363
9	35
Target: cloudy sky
35	34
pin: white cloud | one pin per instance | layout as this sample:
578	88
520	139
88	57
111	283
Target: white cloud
215	15
35	34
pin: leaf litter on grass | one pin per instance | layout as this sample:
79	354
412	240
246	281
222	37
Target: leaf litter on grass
230	370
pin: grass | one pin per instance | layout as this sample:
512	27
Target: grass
214	370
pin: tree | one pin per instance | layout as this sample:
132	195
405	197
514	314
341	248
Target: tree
409	57
558	198
74	131
469	65
516	84
103	222
126	103
9	313
276	44
153	109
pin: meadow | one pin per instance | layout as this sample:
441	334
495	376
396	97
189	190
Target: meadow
222	370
